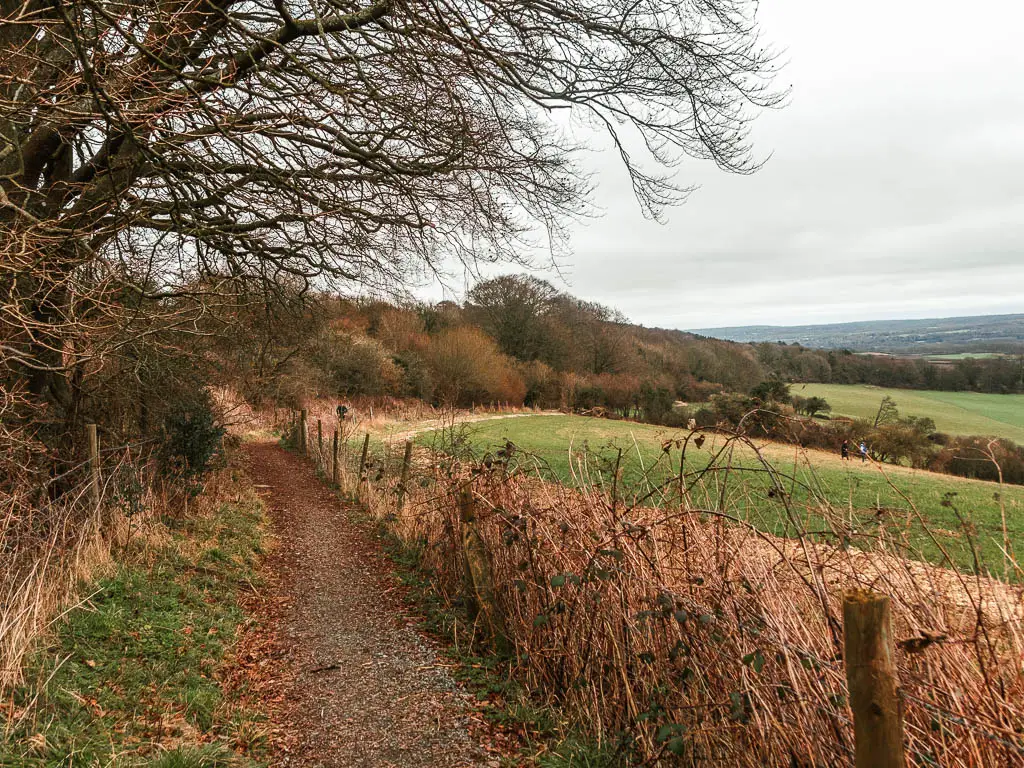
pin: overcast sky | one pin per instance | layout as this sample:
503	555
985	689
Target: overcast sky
895	186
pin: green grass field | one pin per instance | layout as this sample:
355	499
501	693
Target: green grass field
855	490
958	413
966	356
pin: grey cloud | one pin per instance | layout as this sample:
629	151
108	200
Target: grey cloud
895	186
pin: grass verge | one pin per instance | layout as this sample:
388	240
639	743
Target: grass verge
134	675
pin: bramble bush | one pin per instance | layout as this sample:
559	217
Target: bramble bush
973	457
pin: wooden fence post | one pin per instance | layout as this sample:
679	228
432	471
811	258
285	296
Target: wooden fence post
479	582
362	459
406	461
93	440
304	431
335	473
871	675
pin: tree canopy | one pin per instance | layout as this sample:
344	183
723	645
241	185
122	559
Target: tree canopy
161	162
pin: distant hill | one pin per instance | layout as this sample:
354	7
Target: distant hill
985	333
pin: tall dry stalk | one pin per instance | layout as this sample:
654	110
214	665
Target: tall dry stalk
52	544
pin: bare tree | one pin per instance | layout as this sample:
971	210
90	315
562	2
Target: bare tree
596	338
161	161
512	310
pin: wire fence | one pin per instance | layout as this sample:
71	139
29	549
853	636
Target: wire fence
676	624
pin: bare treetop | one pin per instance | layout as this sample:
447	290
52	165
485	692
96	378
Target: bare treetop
170	149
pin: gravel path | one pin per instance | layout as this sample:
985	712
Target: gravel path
362	689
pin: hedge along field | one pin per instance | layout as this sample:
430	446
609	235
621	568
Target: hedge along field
938	516
957	413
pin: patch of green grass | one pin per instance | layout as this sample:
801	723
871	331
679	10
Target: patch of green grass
957	413
576	754
966	356
130	678
951	506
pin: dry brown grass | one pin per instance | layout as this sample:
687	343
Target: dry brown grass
53	545
48	552
40	577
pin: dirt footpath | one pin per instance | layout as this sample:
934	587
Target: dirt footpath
360	687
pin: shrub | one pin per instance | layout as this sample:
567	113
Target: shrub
192	438
705	417
299	381
752	415
693	391
809	433
621	391
401	330
587	396
973	457
771	391
811	406
543	384
901	441
418	380
655	403
468	368
357	365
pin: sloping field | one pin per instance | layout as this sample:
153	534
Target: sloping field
932	512
958	413
966	356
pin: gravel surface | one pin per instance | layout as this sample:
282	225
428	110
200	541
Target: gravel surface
361	687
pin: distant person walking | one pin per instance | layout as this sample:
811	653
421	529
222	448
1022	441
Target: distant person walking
863	451
845	450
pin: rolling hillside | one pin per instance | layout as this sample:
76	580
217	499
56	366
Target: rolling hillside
957	413
952	334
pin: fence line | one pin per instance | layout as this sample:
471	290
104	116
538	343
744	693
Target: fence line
47	547
728	592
